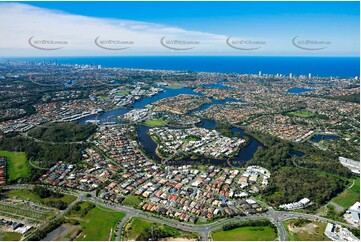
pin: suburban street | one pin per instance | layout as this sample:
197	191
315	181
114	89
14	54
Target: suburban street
120	225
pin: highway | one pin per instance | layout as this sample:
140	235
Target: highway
276	217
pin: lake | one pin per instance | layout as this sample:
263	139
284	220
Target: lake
319	137
296	153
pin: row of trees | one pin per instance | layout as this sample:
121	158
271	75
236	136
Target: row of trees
41	234
43	192
156	232
83	212
254	223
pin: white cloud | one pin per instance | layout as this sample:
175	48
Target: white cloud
19	22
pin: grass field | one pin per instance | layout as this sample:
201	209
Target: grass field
17	167
309	231
348	197
10	236
155	123
123	92
25	194
192	139
201	167
98	223
132	201
76	214
66	199
302	114
137	226
254	233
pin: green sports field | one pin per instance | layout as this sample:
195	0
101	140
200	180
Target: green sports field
174	86
302	114
155	123
17	166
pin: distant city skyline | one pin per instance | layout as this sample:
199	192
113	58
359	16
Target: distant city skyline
179	28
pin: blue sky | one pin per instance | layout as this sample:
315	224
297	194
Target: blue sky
227	17
275	23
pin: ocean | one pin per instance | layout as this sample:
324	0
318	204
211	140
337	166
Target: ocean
317	66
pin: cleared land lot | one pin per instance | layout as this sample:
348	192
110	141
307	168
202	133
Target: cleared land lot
304	230
97	223
348	197
63	232
133	201
248	233
17	167
139	229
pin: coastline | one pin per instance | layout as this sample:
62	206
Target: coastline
323	66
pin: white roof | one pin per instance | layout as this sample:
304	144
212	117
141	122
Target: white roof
355	207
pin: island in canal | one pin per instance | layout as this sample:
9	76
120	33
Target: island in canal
180	104
194	143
